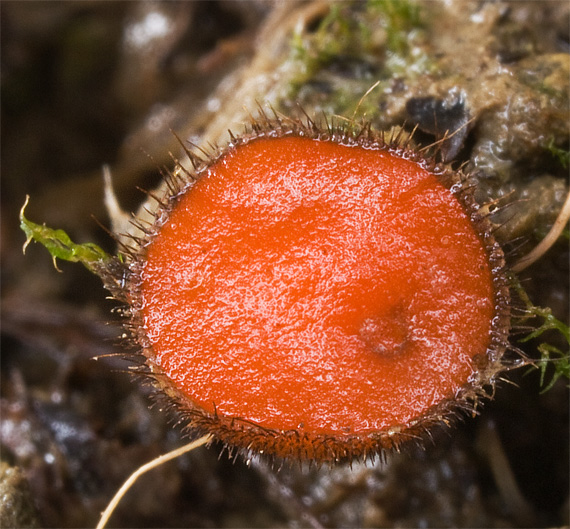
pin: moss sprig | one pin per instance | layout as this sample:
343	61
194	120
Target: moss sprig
400	18
60	245
552	358
553	362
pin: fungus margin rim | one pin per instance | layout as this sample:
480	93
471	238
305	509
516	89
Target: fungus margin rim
238	433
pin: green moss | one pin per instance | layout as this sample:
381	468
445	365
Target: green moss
379	40
553	362
399	18
338	34
60	246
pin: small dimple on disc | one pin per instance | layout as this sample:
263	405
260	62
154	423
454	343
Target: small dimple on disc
305	282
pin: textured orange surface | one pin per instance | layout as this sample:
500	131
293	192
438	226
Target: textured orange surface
305	284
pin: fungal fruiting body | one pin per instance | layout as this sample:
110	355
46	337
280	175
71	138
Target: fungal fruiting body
320	295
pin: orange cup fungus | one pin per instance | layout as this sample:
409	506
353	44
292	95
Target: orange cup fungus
320	295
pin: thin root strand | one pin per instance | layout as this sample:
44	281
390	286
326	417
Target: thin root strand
145	468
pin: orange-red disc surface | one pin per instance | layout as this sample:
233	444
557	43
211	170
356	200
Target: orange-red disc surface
305	284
